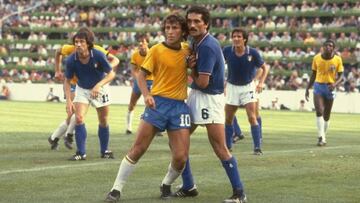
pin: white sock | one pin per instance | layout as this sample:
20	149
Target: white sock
71	126
326	127
171	175
127	166
129	119
320	126
59	131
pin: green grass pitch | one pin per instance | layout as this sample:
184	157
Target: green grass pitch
292	169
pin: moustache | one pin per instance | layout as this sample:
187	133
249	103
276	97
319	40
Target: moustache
193	29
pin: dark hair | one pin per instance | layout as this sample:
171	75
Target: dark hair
205	14
176	18
87	36
329	41
243	32
91	33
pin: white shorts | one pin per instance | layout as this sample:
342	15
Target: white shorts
206	108
83	96
238	95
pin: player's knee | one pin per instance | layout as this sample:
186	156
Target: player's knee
228	121
252	120
103	122
79	119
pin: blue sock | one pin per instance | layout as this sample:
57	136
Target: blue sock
80	137
236	126
255	132
232	172
103	134
229	135
187	178
260	124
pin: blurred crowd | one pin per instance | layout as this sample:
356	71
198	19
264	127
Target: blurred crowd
264	28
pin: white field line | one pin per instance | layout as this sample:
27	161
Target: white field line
37	169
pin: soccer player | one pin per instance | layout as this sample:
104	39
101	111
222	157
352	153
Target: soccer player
66	128
243	62
94	72
327	74
165	106
206	101
137	59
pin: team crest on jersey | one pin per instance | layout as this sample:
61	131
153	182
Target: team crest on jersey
332	68
249	58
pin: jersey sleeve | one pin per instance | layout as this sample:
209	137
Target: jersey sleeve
70	69
67	49
340	67
150	60
100	48
258	61
104	63
314	66
206	60
133	58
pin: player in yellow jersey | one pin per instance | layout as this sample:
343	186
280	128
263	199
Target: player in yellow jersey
66	128
165	106
327	70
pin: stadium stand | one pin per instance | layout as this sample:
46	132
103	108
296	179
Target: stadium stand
287	34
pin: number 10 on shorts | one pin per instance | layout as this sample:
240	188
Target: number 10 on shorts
185	120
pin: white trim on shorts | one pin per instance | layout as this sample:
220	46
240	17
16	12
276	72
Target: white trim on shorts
83	96
238	95
206	108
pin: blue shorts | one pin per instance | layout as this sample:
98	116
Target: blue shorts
323	90
169	114
136	88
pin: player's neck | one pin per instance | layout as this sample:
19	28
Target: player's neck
199	38
239	50
84	56
327	55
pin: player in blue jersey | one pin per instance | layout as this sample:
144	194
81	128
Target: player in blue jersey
94	72
243	62
206	101
165	106
327	74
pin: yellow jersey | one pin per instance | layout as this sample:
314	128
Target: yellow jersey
68	49
326	70
169	70
137	59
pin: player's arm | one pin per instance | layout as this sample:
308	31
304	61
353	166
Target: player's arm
339	80
200	79
262	77
134	71
58	59
311	82
110	75
141	79
114	61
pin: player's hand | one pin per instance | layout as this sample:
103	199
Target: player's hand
191	61
69	108
307	95
59	75
150	102
259	87
95	92
331	87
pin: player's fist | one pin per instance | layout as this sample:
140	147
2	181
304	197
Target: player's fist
191	61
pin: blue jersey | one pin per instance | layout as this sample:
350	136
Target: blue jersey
242	69
88	74
210	60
